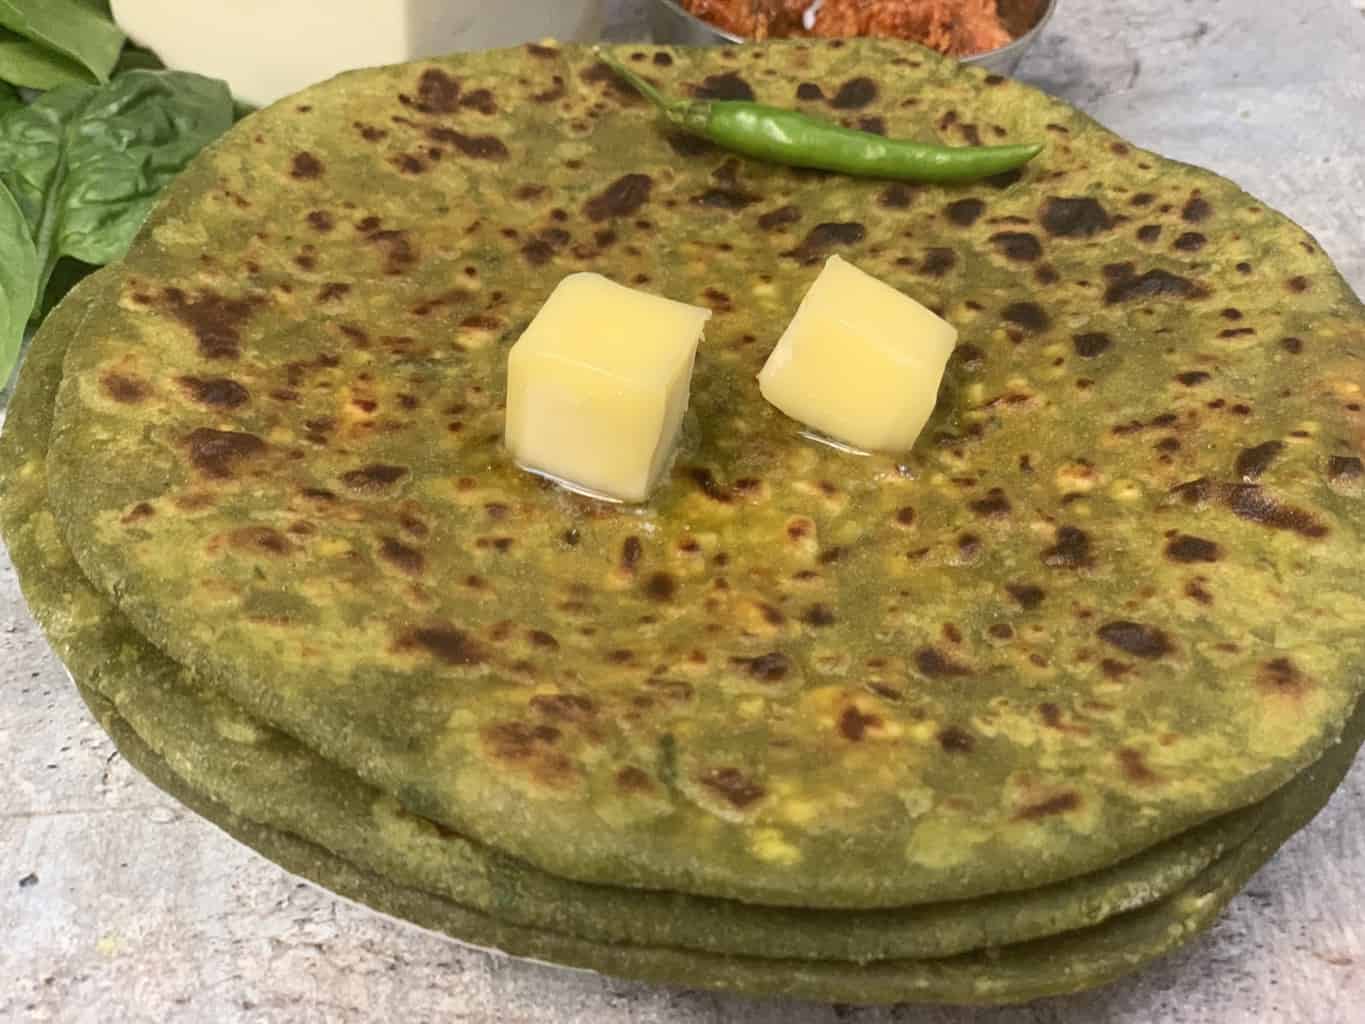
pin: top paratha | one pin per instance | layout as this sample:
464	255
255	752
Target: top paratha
1110	594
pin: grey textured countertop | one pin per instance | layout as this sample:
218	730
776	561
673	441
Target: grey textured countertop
117	904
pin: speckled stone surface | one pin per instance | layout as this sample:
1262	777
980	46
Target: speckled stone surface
116	904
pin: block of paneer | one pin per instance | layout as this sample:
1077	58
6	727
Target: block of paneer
860	362
598	384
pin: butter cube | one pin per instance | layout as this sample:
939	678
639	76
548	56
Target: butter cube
598	385
860	362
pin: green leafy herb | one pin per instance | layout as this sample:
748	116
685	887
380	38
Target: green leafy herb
32	66
9	99
77	29
18	281
137	58
84	164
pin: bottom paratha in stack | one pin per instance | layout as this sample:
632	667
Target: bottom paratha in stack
316	820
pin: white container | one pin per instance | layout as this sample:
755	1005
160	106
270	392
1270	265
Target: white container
266	49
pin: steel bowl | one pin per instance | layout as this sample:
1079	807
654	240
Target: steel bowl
1025	19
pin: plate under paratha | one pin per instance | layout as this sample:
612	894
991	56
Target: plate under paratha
1110	596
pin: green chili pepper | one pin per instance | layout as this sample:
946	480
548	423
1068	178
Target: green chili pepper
799	140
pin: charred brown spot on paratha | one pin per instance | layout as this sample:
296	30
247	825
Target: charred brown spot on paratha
215	320
1091	344
725	199
1019	246
772	667
443	642
783	216
734	786
825	237
956	740
397	248
402	557
938	665
1114	669
1252	462
262	540
818	615
1281	677
1141	641
897	196
624	197
1028	315
218	453
557	91
995	505
728	86
938	261
125	388
1257	505
1074	217
530	749
1071	551
565	707
544	639
854	723
632	779
476	147
1027	595
437	92
707	483
854	94
1196	210
305	167
1062	803
1187	548
215	392
376	478
965	212
661	587
1135	769
480	100
407	163
1129	286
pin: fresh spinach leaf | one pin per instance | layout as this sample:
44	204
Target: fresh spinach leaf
18	281
75	29
80	167
32	66
9	99
137	58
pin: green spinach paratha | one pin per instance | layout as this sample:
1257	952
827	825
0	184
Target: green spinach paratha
258	773
1111	595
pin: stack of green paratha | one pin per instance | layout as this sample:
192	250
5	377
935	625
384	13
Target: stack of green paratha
1006	717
